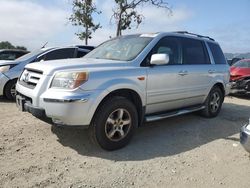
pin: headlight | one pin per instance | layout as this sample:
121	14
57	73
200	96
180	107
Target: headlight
4	68
69	80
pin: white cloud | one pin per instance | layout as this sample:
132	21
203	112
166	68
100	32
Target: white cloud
232	38
29	24
155	19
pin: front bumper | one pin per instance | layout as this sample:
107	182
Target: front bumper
61	111
3	80
25	106
245	138
72	108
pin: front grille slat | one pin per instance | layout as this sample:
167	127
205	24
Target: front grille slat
30	78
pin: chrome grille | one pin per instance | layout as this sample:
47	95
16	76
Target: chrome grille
30	78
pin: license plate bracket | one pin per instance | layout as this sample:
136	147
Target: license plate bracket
20	103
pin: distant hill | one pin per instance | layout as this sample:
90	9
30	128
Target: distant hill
237	55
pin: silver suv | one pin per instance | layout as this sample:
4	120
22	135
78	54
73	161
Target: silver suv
126	81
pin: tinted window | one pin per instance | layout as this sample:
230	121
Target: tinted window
170	46
81	54
7	56
19	54
60	54
194	52
217	53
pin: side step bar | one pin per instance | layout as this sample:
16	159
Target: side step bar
157	117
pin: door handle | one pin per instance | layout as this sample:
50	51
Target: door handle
211	71
183	73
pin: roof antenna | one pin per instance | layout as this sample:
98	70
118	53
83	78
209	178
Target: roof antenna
44	45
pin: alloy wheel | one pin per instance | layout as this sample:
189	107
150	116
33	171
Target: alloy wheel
118	125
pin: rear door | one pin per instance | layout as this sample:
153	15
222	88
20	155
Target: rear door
199	71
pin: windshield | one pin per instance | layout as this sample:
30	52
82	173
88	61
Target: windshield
31	54
122	49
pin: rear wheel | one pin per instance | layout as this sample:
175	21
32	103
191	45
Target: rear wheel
248	86
114	123
213	103
10	90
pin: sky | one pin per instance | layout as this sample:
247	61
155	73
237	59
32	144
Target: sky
32	23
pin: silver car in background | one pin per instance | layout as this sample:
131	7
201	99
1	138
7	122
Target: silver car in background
11	70
245	136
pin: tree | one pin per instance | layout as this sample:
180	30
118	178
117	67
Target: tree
126	13
8	45
82	15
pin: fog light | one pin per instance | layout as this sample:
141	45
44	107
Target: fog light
57	121
248	126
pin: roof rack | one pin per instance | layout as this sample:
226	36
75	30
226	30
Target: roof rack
201	36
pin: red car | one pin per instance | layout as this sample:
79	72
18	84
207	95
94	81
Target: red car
240	76
240	69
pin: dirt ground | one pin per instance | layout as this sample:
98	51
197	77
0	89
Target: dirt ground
184	151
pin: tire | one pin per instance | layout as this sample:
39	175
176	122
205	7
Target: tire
247	88
213	103
10	90
108	128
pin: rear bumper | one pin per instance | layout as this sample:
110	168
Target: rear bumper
3	81
245	138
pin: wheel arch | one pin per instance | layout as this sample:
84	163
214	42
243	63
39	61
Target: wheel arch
129	94
221	86
4	88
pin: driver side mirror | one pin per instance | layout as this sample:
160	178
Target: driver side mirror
159	59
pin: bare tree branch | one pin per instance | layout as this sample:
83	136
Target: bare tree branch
126	12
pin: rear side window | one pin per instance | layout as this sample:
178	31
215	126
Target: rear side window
217	53
194	52
60	54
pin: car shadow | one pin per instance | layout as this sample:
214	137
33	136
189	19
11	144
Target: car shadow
4	100
241	96
163	138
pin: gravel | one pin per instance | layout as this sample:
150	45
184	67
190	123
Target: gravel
184	151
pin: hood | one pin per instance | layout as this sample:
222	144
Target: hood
49	67
6	62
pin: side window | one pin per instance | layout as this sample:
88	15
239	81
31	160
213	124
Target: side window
64	53
194	52
217	53
8	56
170	46
81	54
41	58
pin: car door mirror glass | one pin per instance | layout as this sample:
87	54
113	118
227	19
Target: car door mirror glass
159	59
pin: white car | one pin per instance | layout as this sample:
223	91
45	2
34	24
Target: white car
245	136
11	70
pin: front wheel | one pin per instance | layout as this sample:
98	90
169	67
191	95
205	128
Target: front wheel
10	90
213	103
114	123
